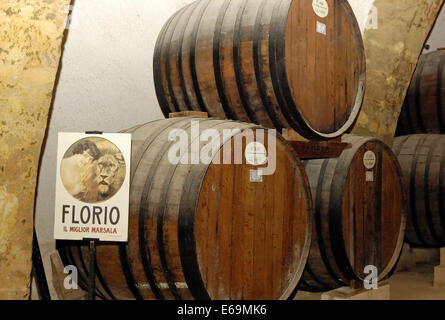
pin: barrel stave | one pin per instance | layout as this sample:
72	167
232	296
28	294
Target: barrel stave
204	62
174	64
244	63
170	101
190	82
322	271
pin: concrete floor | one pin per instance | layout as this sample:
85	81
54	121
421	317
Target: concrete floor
412	281
415	284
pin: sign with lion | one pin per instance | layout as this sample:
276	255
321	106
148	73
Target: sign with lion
92	187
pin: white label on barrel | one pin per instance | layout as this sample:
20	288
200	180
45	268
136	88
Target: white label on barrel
369	160
369	176
256	176
321	8
256	154
321	28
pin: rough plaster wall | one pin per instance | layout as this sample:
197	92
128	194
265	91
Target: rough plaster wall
106	83
362	10
392	50
31	34
106	79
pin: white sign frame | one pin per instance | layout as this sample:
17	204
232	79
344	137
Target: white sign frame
104	220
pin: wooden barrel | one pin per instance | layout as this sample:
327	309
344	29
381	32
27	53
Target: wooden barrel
278	63
422	158
359	215
424	108
207	231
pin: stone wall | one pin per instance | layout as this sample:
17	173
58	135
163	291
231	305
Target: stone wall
31	34
392	49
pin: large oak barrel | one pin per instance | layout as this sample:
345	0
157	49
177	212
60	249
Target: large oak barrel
359	215
422	158
278	63
424	108
207	231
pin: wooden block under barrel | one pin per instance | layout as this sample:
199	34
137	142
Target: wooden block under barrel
188	114
314	149
59	278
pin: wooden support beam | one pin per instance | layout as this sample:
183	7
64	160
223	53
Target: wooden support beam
59	277
318	150
345	293
188	114
31	36
314	149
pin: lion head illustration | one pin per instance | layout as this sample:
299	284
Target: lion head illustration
105	177
107	168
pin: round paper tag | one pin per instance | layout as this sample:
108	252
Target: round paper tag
256	154
369	160
321	8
